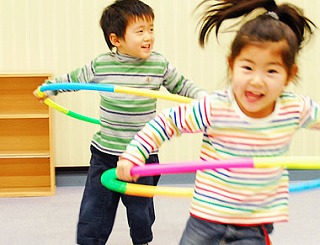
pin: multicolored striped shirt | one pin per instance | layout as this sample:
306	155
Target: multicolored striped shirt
122	116
233	196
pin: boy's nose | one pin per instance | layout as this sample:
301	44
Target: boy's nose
146	37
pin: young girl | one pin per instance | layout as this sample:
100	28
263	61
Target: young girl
254	117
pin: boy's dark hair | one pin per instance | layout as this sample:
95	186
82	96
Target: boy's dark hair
116	16
279	22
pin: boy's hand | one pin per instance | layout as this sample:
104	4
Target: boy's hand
41	96
123	171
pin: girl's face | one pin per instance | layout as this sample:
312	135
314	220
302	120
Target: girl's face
258	77
138	39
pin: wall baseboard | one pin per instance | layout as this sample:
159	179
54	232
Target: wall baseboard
71	176
76	176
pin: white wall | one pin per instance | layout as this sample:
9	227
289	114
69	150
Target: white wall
57	36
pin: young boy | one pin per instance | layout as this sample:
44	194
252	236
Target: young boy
128	31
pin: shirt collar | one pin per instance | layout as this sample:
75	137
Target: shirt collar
127	58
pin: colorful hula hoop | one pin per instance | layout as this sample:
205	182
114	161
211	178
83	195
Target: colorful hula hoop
103	88
110	181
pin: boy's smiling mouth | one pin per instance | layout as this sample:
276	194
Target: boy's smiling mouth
146	46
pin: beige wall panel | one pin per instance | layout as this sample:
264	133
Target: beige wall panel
57	36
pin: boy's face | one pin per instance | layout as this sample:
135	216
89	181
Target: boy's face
138	39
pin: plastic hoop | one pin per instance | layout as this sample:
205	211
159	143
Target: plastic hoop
103	88
110	181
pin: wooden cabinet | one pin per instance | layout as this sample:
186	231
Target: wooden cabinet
26	165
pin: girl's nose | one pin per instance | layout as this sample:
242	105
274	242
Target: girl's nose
257	80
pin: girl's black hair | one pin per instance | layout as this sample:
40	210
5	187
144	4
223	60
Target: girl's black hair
116	16
277	23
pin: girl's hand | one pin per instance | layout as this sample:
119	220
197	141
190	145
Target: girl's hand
123	171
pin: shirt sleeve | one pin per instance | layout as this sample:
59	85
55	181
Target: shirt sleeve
84	74
177	84
310	117
190	118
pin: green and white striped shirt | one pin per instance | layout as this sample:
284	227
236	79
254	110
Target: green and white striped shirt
122	116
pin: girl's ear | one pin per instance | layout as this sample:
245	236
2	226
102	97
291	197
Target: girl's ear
230	67
114	40
293	73
230	63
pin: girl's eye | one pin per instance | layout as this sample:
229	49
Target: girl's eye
248	68
272	71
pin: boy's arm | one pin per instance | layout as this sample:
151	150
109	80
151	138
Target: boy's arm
177	84
310	114
84	74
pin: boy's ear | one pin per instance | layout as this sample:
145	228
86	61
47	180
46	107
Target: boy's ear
114	40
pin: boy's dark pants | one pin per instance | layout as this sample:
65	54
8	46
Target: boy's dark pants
99	205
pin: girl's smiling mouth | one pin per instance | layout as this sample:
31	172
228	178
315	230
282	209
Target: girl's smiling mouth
253	96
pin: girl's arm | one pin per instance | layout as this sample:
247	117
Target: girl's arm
172	122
